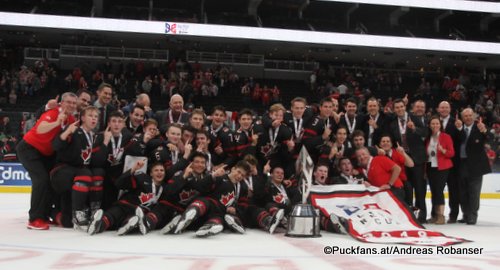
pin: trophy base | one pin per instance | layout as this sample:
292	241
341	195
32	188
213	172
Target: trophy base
304	221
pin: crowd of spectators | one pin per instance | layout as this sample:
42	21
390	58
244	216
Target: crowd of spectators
194	82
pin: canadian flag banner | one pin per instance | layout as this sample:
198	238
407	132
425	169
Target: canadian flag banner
375	216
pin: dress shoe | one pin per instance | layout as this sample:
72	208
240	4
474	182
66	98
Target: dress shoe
463	220
452	221
471	222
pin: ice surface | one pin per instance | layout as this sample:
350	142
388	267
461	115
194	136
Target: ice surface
60	248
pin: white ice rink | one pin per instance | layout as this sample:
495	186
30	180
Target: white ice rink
59	248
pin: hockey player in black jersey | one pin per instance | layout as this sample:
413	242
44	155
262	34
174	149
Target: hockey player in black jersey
169	153
182	190
248	213
144	143
275	142
221	140
218	203
245	139
141	193
113	145
79	184
280	193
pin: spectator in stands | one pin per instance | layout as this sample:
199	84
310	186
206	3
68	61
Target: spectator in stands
12	97
5	128
142	100
147	84
29	123
490	153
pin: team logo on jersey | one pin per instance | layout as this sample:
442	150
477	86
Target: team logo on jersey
187	195
146	197
115	160
279	198
227	199
267	150
85	155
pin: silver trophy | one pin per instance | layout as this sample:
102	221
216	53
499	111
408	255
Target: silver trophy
304	220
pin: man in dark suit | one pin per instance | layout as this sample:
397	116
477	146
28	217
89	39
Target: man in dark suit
374	123
104	96
174	114
473	164
449	127
410	132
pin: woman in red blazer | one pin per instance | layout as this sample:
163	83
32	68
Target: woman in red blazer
439	149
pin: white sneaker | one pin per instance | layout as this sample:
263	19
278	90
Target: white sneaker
131	224
234	223
186	219
171	225
209	229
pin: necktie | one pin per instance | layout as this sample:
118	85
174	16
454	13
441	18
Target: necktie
463	153
404	143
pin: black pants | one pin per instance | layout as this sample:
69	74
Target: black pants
59	176
253	216
118	214
162	213
453	183
416	177
437	181
38	167
470	193
79	189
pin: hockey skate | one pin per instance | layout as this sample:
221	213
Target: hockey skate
96	223
131	224
234	223
186	219
339	223
272	222
81	220
143	229
209	229
171	225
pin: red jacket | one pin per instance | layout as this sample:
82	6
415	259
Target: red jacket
380	173
443	160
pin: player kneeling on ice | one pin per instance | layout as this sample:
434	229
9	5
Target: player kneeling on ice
215	205
141	192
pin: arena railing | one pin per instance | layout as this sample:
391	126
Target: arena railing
41	53
225	58
116	53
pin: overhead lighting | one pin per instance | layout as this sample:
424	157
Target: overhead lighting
472	6
241	32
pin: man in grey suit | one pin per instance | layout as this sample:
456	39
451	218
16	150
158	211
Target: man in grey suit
473	164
